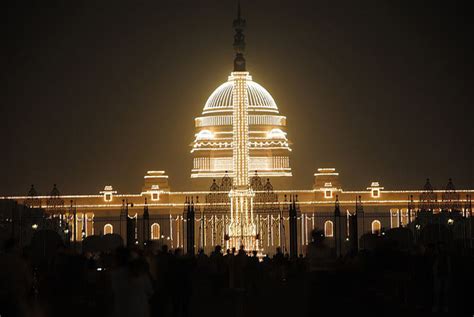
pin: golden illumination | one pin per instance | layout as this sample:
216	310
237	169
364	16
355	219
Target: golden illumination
108	193
375	189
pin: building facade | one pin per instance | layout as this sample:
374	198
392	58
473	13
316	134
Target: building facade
240	148
378	209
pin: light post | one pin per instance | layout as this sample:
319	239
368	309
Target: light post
66	233
451	231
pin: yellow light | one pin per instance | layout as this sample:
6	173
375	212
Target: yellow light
204	135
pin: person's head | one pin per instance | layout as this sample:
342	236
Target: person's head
317	236
228	251
441	247
218	249
10	245
164	248
122	256
430	247
254	252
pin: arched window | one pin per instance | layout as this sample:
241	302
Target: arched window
394	217
108	229
328	229
376	227
89	224
404	216
155	231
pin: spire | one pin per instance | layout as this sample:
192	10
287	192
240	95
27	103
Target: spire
55	191
239	41
428	187
145	210
32	192
337	210
450	186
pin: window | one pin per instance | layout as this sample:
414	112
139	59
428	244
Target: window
108	197
348	220
328	194
375	189
328	229
276	134
155	231
79	226
394	218
108	229
155	196
376	227
404	216
204	135
89	224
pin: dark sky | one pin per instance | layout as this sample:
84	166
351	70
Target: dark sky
99	92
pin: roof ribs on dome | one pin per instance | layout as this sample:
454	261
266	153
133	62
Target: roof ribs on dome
258	97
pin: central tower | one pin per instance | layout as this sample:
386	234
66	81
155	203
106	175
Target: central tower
241	103
240	132
242	229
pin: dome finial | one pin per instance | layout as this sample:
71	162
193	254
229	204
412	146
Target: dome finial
239	42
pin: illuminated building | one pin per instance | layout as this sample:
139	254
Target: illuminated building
212	147
240	147
268	146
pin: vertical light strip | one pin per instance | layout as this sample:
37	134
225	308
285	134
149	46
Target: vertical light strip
242	228
171	231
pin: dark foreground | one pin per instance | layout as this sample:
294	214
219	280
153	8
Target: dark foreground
133	282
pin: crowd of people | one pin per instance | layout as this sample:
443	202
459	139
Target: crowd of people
153	281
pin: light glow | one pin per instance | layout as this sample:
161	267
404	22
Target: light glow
242	229
204	135
375	189
108	193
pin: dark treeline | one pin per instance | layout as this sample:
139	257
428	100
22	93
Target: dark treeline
156	281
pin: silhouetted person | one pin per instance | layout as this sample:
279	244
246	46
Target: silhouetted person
252	273
131	285
279	261
180	288
240	262
441	278
162	298
218	269
15	281
230	261
318	253
425	273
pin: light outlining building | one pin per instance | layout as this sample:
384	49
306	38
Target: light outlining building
240	145
217	130
242	229
212	146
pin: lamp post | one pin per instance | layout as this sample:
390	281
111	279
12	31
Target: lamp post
451	225
66	233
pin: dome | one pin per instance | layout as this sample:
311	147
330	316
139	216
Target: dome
259	98
268	145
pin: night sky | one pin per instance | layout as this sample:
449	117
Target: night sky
99	92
